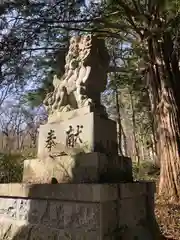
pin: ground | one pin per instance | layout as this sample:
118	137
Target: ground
167	215
168	218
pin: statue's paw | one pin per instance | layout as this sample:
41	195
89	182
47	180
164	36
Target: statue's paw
66	108
89	101
86	102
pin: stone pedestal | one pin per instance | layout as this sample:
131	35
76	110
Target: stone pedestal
58	117
76	211
98	134
86	167
96	198
82	168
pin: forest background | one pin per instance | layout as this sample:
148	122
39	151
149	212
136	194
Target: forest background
143	91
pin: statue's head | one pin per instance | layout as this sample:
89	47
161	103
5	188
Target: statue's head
73	40
74	46
86	40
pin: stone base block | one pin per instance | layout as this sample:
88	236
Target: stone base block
76	211
119	169
82	168
64	116
96	134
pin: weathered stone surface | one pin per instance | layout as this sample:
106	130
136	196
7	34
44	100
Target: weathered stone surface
54	214
98	134
85	76
9	231
119	169
90	211
8	208
42	219
65	192
64	116
132	211
78	192
42	171
109	218
82	168
131	190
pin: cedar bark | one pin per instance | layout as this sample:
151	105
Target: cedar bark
169	146
164	87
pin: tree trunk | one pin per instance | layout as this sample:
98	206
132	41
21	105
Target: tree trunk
142	151
169	115
154	148
118	121
169	147
134	129
164	87
124	140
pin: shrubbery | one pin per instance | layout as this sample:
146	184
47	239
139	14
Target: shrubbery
11	167
11	164
146	171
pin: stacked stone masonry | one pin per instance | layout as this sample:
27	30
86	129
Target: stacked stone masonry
75	211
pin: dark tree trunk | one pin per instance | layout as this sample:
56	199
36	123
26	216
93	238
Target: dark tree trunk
169	146
134	129
169	116
164	87
118	121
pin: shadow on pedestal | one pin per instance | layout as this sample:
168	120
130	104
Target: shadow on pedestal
48	205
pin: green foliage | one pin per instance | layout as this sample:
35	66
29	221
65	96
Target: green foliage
146	171
11	167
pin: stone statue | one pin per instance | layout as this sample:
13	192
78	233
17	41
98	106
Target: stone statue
85	76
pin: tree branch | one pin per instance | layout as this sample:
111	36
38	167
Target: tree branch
129	13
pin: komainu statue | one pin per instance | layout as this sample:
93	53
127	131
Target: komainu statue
85	76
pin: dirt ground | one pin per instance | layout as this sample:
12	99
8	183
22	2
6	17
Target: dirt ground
168	218
167	215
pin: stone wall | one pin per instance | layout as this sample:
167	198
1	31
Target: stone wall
76	211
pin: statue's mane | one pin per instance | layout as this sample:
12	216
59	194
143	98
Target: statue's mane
84	78
83	48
